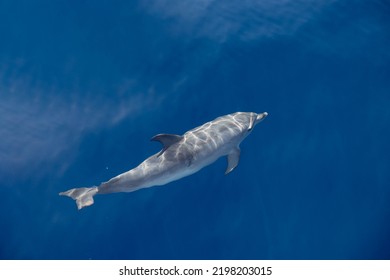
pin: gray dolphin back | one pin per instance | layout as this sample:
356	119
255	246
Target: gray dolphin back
181	155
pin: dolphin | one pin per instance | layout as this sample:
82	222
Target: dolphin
181	155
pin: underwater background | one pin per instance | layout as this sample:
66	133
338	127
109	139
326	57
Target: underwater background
84	85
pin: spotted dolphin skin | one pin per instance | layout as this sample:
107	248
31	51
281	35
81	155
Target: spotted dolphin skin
181	155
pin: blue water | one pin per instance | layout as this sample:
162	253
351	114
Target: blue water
84	85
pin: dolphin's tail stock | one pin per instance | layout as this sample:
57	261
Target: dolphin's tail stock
83	196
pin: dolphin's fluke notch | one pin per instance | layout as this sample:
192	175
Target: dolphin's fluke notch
83	196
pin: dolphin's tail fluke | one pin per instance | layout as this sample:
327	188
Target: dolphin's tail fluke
83	196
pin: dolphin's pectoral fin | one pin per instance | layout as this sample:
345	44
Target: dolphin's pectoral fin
166	140
233	158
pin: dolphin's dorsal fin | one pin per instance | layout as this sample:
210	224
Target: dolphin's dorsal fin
233	158
166	140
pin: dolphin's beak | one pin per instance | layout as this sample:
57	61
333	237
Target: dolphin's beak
261	117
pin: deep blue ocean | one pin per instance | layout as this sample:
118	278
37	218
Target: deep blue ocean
84	85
